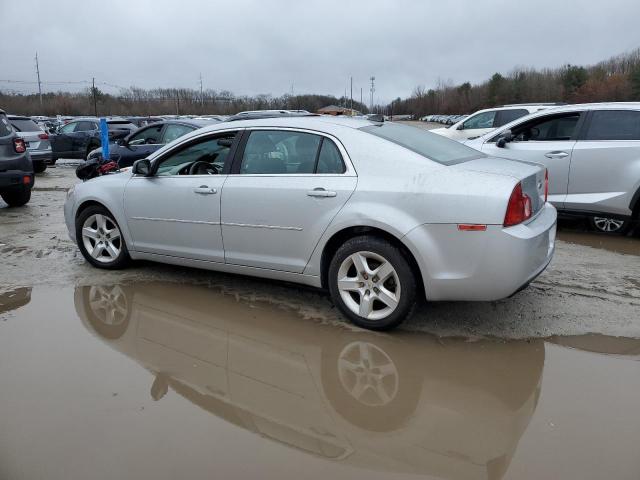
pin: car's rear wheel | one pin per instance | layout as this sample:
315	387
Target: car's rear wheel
609	225
39	167
372	283
100	239
17	198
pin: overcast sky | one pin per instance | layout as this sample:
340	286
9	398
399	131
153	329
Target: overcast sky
265	46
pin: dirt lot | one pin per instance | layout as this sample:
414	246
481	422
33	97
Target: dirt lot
591	286
159	372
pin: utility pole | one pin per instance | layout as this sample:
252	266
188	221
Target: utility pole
373	89
351	96
201	95
93	91
361	96
177	102
39	85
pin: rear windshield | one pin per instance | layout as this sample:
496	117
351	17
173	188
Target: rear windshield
5	127
25	125
429	145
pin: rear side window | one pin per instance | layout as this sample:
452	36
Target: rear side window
614	125
329	159
434	147
85	127
25	125
5	127
506	116
276	152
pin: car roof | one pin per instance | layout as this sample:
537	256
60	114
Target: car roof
312	122
18	117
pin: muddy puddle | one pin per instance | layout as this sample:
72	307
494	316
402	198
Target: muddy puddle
628	245
162	381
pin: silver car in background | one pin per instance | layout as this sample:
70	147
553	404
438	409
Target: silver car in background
36	140
592	152
377	213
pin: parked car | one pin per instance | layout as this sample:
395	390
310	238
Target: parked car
82	135
592	152
398	405
484	121
16	169
315	200
146	140
36	141
142	121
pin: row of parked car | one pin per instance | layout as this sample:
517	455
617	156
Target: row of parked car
444	119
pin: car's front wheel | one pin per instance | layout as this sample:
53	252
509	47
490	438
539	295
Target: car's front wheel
613	226
372	283
100	239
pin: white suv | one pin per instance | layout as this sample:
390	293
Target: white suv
483	121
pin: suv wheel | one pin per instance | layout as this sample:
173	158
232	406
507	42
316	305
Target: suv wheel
100	239
17	198
614	226
372	283
39	167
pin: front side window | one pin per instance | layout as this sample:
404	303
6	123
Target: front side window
206	157
548	128
481	120
507	116
430	145
280	152
175	131
148	136
614	125
69	127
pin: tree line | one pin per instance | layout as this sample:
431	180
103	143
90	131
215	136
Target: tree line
160	101
614	80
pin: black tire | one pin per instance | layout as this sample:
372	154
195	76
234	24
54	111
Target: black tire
90	148
609	225
405	278
39	167
17	198
123	258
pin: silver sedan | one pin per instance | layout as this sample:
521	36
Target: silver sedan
376	213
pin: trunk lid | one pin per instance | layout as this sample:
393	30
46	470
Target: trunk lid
530	175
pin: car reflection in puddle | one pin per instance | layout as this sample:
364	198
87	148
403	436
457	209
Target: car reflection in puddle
398	403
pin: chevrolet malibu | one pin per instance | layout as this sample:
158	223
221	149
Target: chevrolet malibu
377	213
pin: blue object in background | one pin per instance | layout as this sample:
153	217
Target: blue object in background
104	138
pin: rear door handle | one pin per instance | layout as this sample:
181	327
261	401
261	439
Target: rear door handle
205	190
321	192
556	154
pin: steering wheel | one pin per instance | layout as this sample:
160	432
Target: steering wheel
202	168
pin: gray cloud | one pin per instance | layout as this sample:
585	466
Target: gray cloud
265	46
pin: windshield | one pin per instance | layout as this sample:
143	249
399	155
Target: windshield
430	145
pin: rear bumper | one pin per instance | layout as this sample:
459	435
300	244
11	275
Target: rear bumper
15	179
483	266
45	156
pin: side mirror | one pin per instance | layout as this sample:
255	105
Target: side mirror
505	138
460	127
142	167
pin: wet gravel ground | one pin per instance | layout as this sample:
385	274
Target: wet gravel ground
591	286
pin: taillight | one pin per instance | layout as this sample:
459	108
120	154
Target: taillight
519	207
43	136
19	145
546	185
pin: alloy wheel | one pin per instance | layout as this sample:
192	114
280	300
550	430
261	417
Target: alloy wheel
609	225
109	304
369	285
101	238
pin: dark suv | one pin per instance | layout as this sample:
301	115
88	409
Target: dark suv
16	169
78	137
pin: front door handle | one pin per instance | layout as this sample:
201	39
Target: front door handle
556	154
205	190
321	192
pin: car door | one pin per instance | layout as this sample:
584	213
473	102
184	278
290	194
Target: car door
85	130
605	165
176	210
285	188
547	139
62	141
140	144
